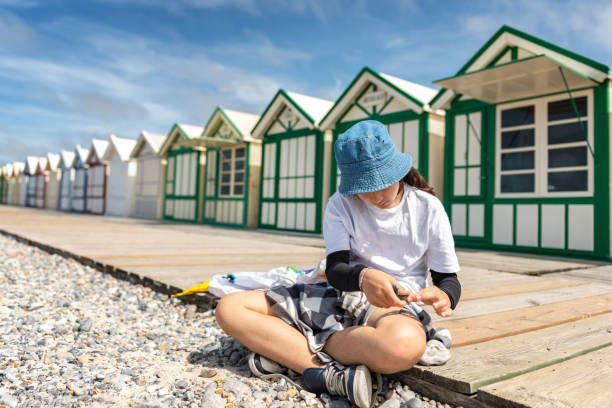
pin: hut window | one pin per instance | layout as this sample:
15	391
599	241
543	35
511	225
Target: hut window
232	175
541	147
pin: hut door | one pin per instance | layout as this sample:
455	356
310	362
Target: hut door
468	211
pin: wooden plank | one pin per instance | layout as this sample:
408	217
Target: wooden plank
583	382
534	285
512	302
196	255
438	393
475	366
532	265
497	325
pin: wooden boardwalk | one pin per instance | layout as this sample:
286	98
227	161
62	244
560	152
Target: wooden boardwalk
528	332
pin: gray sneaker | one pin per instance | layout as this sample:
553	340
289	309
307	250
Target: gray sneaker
353	382
261	366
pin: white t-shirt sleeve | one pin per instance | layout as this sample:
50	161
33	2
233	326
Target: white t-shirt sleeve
441	256
335	228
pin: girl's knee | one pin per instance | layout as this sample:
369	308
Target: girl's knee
403	348
228	309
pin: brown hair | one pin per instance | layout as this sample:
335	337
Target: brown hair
414	179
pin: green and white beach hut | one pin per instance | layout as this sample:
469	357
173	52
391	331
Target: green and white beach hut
66	179
528	139
181	154
292	173
53	178
233	162
403	106
147	192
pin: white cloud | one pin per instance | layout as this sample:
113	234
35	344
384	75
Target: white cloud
15	32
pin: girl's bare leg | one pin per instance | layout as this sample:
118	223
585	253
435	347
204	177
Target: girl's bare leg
248	317
390	342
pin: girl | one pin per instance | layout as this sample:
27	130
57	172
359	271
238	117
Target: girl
384	230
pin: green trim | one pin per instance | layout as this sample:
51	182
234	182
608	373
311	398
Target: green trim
227	119
290	100
601	210
317	177
507	29
584	133
174	154
513	55
216	198
368	70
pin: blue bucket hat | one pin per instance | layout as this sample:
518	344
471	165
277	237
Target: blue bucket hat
368	160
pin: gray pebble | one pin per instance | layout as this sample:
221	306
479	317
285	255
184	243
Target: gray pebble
392	403
414	403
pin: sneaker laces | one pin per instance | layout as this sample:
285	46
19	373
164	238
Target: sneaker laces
334	378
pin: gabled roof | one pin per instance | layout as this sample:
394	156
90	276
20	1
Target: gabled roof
123	148
18	168
241	122
416	96
186	131
508	36
8	170
154	140
31	163
310	108
80	156
66	159
52	161
42	165
97	149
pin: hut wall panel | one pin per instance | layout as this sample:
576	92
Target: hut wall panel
474	138
503	222
40	190
411	140
476	220
459	177
527	225
459	219
311	209
580	227
354	114
52	194
23	190
394	106
66	181
553	226
460	140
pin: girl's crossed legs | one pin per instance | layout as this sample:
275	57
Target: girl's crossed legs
391	341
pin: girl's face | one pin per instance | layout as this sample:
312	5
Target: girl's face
383	199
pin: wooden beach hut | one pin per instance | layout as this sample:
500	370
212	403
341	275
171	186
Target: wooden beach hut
403	106
66	179
528	159
53	178
233	162
292	171
147	192
15	185
79	186
121	176
97	178
40	180
181	154
31	180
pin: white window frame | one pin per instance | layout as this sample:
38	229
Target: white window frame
542	148
232	173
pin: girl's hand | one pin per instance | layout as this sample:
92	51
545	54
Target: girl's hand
378	288
435	297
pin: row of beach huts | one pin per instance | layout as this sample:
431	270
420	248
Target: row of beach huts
516	144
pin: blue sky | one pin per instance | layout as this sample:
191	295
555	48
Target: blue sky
74	70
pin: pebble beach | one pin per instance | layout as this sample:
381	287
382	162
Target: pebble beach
71	336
